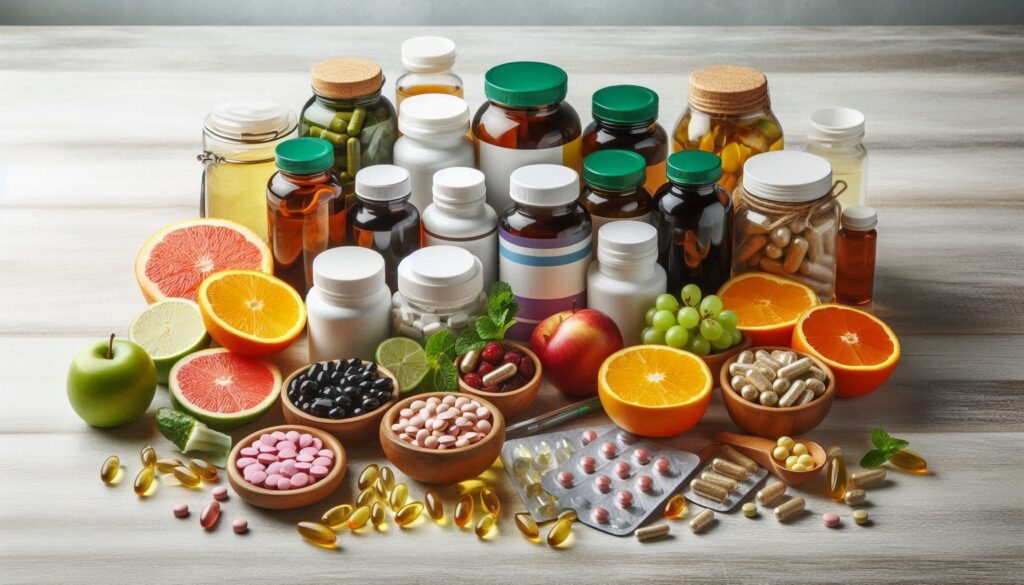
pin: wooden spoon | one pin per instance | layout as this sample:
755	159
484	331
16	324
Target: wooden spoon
760	449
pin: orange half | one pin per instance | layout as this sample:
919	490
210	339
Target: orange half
767	306
250	312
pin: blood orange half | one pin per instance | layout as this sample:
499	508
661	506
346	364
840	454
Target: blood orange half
225	390
176	259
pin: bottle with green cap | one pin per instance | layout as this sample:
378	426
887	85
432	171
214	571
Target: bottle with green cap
626	117
306	212
694	216
525	121
614	188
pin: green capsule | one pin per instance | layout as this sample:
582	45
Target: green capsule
353	160
355	125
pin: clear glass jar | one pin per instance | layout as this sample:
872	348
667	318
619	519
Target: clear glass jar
614	189
626	117
439	287
837	135
787	219
383	219
728	114
428	63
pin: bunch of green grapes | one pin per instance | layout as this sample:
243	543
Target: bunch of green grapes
699	326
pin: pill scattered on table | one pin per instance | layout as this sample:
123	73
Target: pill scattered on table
867	477
789	509
771	492
854	497
652	532
210	515
750	510
240	526
830	519
181	511
701	521
860	516
220	493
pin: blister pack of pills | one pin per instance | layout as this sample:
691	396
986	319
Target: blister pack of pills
726	478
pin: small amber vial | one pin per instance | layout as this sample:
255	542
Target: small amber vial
626	117
855	256
428	63
614	188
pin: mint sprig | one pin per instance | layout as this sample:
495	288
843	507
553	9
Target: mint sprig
885	447
440	354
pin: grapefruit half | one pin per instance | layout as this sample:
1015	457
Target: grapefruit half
223	389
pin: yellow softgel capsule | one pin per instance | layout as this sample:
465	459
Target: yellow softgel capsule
569	515
359	518
909	460
408	513
148	456
527	526
377	513
204	469
317	534
398	496
366	497
143	481
337	516
388	478
367	476
167	465
675	507
434	505
187	477
490	501
464	511
559	533
381	488
110	469
472	486
836	474
485	525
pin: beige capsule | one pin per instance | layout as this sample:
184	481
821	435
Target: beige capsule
730	453
816	373
709	490
470	361
789	509
500	374
729	469
749	393
771	493
758	380
867	477
817	387
652	532
780	385
817	270
740	369
855	497
795	255
781	236
768	398
805	398
737	381
720	480
746	357
792	396
702	521
751	246
796	368
771	266
769	362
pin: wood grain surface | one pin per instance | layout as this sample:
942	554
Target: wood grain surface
99	128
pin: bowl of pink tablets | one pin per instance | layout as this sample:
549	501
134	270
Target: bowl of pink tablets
287	466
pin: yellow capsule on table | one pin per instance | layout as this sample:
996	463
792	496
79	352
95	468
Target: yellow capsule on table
435	507
559	533
569	515
836	474
187	477
399	496
167	465
204	469
367	476
472	486
408	513
337	516
317	534
110	469
909	460
366	497
675	507
490	501
381	488
359	518
143	481
148	456
526	525
389	478
377	513
485	525
464	511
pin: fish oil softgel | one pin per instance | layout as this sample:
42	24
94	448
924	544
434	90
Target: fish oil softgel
726	479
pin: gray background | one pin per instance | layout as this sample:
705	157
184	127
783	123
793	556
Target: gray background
511	12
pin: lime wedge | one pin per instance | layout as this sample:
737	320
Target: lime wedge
406	360
169	330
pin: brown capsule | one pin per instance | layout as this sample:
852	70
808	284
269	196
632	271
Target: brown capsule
470	360
500	374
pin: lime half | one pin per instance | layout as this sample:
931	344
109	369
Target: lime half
169	330
406	360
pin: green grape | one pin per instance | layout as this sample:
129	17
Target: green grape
711	329
663	320
688	317
698	345
737	337
677	337
645	330
666	302
723	342
649	315
711	306
728	319
652	336
691	295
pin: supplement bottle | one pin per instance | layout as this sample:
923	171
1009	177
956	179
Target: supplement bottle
626	278
348	110
694	217
383	219
728	114
440	287
626	117
349	306
428	63
613	188
525	121
855	256
305	209
239	139
837	135
433	138
544	245
459	216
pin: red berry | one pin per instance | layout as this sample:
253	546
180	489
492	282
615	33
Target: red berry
493	353
527	368
490	388
511	357
484	368
473	380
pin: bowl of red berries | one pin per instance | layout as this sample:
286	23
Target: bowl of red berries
505	373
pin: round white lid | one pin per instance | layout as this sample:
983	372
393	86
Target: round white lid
349	271
383	183
441	275
860	218
250	120
544	185
627	242
433	113
787	176
428	55
836	124
456	185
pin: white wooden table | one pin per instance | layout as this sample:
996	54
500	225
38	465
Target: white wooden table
99	129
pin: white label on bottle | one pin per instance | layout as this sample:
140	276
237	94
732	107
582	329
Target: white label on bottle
497	164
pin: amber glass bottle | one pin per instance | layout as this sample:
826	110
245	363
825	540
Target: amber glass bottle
383	219
626	117
614	188
855	256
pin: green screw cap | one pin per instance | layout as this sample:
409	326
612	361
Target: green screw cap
304	156
614	169
625	104
525	84
694	167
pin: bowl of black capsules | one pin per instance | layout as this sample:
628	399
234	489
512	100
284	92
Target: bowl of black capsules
347	398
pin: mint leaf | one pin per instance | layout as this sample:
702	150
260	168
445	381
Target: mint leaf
873	458
506	327
440	347
488	329
499	295
513	309
468	341
880	439
498	315
446	377
895	445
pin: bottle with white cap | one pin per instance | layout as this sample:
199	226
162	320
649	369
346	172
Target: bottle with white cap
434	137
428	62
460	216
383	219
349	306
239	139
626	278
439	287
544	244
837	135
855	256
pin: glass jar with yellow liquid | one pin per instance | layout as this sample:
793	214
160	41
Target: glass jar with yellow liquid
428	63
837	135
239	139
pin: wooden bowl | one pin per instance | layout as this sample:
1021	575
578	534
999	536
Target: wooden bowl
516	401
285	500
442	467
774	422
348	430
760	450
716	360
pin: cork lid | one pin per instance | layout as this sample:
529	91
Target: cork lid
728	90
346	78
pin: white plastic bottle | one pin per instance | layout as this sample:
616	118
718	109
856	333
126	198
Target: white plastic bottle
626	279
349	306
434	128
460	216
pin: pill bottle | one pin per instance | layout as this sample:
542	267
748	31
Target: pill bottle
613	189
305	209
544	244
460	216
434	137
239	139
837	135
626	279
349	306
428	63
525	121
855	255
383	219
439	287
626	117
787	219
728	114
694	217
348	110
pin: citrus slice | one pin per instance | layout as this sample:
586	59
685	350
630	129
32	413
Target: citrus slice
405	359
654	390
767	306
169	330
250	312
861	349
223	389
176	259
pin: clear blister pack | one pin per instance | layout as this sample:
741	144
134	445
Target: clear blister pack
726	479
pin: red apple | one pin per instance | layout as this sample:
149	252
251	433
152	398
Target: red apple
572	345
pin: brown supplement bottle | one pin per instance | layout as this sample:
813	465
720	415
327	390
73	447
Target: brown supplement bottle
855	256
626	117
614	188
383	219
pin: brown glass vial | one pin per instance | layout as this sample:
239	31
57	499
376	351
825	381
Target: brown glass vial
383	219
614	188
626	117
855	256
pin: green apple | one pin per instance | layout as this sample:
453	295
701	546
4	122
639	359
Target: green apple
111	383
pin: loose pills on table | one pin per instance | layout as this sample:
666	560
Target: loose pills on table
485	525
337	516
366	497
377	513
360	516
143	481
210	515
181	511
559	533
702	521
867	477
622	469
675	507
860	516
528	527
110	469
652	532
318	534
434	505
750	509
771	492
398	497
168	465
148	456
600	515
204	469
240	526
220	493
830	519
408	513
464	511
789	509
836	473
854	497
367	476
